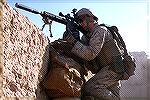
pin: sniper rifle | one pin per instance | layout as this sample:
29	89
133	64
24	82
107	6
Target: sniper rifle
49	17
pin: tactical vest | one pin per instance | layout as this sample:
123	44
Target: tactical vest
109	55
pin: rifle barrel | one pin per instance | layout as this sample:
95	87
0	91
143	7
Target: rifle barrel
45	15
27	8
54	17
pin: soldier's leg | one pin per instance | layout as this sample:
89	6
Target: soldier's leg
98	85
67	98
115	88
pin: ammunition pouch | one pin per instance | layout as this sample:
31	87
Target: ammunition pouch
117	65
125	66
110	55
130	65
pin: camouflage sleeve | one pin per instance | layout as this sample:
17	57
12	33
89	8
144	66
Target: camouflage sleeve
89	52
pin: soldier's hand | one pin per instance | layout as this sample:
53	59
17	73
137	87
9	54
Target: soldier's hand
67	36
71	26
72	29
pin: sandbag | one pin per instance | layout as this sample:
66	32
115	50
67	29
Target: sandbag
64	79
61	82
130	65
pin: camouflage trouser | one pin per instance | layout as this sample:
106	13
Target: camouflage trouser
102	86
67	98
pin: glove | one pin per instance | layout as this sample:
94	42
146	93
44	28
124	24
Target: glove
75	34
69	38
72	29
71	26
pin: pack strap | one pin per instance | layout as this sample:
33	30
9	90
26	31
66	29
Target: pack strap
116	35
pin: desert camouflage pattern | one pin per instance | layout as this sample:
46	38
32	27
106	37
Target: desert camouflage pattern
104	84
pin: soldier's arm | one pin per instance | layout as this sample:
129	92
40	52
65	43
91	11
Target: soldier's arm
89	52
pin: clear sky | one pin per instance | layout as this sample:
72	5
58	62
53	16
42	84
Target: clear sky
130	16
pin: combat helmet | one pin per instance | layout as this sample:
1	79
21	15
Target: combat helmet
84	11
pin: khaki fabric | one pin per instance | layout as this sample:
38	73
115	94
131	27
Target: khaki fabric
99	50
84	11
95	43
89	50
67	98
63	79
104	85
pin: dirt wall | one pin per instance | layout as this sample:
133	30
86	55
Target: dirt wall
25	56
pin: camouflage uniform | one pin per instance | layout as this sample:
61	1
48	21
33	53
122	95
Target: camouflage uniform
104	84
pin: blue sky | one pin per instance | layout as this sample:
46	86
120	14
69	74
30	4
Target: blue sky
130	16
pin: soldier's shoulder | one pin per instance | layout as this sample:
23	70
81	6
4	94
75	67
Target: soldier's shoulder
101	28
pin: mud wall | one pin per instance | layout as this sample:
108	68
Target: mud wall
25	56
1	51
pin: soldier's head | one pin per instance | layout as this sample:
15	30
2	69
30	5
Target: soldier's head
85	18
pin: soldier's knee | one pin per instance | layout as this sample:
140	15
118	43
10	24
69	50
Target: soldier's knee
95	98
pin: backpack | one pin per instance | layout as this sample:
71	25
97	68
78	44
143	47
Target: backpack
127	59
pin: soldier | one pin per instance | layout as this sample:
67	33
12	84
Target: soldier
98	48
